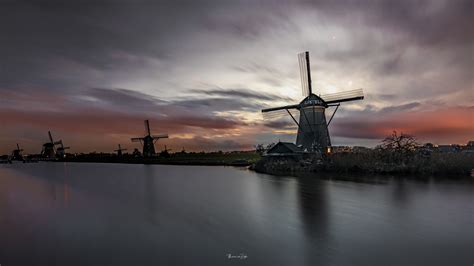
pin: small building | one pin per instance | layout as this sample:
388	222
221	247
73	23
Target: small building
283	149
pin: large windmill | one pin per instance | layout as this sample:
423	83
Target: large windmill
313	134
148	141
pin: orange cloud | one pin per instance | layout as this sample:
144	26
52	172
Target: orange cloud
446	125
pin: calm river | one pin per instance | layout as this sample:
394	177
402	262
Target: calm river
119	214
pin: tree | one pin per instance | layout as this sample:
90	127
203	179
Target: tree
260	149
402	142
398	147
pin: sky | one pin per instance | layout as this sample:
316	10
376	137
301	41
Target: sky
201	71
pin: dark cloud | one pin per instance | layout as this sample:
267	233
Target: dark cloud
285	123
429	23
60	61
400	108
242	93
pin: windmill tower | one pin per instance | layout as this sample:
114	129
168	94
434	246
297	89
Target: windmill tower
313	134
61	150
119	150
148	141
17	153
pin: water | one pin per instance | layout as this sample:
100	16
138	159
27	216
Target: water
112	214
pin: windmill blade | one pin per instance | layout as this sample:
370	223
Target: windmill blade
59	142
280	108
275	114
160	136
136	139
147	127
285	113
344	96
50	137
305	73
17	146
66	148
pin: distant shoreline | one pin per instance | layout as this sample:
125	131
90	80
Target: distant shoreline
353	165
162	162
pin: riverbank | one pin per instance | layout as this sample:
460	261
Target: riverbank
209	159
371	163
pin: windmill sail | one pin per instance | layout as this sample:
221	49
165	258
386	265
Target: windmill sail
293	106
305	73
280	114
147	127
344	96
160	136
50	137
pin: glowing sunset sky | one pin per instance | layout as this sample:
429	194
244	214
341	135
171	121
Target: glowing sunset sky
92	71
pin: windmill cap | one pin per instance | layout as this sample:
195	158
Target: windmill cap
313	100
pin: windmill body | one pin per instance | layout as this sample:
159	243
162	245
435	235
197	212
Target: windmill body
313	134
313	131
148	141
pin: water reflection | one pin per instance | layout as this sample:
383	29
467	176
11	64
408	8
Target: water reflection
150	194
143	214
312	199
59	187
315	218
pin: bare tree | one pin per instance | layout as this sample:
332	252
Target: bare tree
260	149
402	142
398	147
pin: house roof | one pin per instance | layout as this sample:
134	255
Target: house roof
284	147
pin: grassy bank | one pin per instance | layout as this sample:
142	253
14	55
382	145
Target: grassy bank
457	164
372	162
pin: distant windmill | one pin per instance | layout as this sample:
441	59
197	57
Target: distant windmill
165	153
148	141
61	150
17	153
119	150
48	148
313	134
